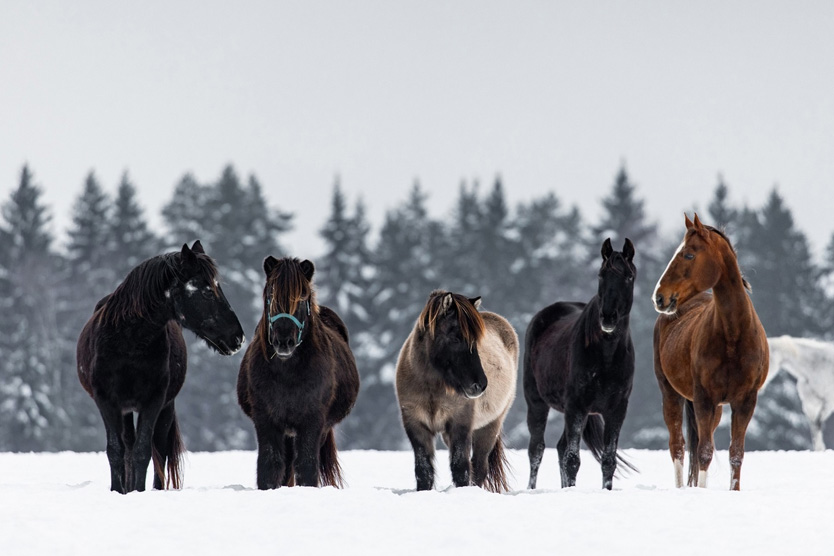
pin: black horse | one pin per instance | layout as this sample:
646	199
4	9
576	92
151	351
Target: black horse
132	359
297	380
579	359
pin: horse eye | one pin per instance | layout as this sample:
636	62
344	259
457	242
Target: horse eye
689	256
207	293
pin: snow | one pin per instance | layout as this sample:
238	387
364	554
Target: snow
61	504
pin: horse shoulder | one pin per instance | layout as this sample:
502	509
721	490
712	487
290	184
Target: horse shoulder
331	320
503	329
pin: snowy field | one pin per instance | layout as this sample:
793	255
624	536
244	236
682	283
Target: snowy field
56	504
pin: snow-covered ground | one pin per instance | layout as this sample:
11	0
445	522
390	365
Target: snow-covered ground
56	504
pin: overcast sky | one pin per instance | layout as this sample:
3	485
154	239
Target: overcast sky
550	95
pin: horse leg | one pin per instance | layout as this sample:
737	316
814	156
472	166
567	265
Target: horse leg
308	442
673	417
569	463
129	439
422	442
460	435
144	443
161	445
812	406
613	423
707	417
271	464
537	411
113	424
289	462
742	413
483	441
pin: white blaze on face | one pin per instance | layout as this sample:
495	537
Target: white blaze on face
657	287
190	288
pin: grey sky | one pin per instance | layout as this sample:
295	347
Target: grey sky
551	95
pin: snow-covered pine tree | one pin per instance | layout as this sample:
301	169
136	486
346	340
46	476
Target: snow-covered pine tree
32	415
130	240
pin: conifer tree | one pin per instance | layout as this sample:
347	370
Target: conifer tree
32	415
722	215
131	242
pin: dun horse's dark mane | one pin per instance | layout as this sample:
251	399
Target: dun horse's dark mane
723	234
142	291
471	324
286	287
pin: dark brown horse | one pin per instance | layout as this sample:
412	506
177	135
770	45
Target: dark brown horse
132	359
297	380
709	349
456	376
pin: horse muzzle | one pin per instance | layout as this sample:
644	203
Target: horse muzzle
474	390
664	306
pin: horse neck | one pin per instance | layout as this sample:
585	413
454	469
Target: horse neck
733	307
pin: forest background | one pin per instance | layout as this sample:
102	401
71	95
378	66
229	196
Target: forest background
518	258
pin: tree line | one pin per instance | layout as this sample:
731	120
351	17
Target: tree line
519	259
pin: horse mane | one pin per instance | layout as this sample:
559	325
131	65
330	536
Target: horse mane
286	287
723	235
471	324
142	292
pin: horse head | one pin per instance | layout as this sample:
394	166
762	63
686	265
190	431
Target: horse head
696	266
288	304
616	285
454	327
199	303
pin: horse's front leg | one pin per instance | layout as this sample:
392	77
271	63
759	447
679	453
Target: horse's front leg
707	417
144	441
569	462
613	423
113	424
308	444
271	463
422	443
742	413
460	437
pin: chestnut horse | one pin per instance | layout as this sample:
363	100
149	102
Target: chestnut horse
710	349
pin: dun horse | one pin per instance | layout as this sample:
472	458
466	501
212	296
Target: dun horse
811	362
297	380
456	376
132	359
709	349
579	359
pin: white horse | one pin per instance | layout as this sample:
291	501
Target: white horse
811	362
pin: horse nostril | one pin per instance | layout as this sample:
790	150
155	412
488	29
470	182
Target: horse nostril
658	300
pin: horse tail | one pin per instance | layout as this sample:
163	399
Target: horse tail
497	466
174	449
692	442
329	468
594	437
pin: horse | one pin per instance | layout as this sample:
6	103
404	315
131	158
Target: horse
811	362
710	349
298	379
456	375
131	358
579	360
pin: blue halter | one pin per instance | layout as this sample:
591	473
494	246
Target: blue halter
296	322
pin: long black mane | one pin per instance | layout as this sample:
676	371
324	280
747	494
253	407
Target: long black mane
142	291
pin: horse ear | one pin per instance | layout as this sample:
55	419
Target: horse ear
697	223
476	301
308	268
198	247
687	221
628	250
269	264
606	249
446	303
187	255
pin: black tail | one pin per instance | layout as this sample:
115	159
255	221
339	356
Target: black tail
594	438
174	449
497	467
692	442
329	468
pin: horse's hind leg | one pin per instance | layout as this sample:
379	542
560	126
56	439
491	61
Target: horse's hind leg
483	442
742	413
537	411
113	424
129	439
